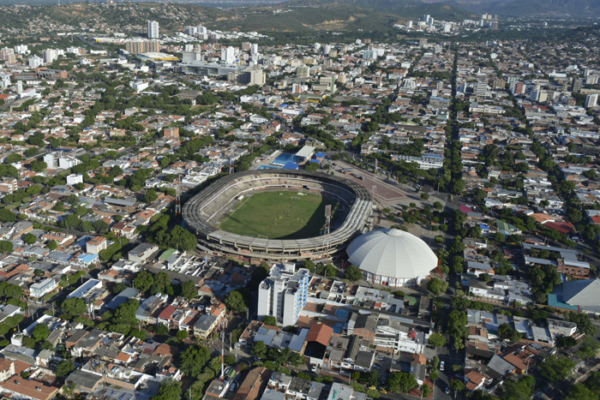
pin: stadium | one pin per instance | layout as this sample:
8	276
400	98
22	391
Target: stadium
277	215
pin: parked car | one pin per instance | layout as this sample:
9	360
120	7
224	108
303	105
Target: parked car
314	368
447	390
233	387
442	366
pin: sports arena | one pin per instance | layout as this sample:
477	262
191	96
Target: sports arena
278	215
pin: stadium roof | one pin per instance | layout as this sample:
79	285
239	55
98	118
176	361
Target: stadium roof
392	253
581	292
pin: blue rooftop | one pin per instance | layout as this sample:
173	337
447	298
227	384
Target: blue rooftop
88	258
291	165
320	155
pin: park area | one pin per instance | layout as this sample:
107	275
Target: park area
278	215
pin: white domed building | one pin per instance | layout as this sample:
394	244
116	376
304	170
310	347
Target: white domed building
392	257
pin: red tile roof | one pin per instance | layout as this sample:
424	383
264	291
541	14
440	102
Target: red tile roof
320	333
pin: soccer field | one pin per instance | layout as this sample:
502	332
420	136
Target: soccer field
278	215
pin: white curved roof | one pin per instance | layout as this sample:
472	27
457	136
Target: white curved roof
392	253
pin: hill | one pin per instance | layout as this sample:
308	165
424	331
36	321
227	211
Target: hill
122	16
306	18
533	8
408	9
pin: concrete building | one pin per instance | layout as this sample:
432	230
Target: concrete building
40	289
153	30
49	55
74	179
142	46
142	252
392	257
303	71
326	84
284	293
228	55
35	61
591	100
96	245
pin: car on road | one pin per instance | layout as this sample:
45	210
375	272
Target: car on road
442	366
447	391
233	387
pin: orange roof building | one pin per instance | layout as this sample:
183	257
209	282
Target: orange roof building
320	333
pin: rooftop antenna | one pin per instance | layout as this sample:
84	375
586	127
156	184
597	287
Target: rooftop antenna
223	327
327	228
177	197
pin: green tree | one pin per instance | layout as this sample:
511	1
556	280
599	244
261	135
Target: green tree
125	313
517	389
7	216
29	342
38	166
588	348
6	247
437	340
169	389
269	320
52	245
193	360
506	332
554	368
457	385
138	334
309	265
564	342
161	329
353	273
312	167
580	391
151	196
73	306
189	290
182	334
40	332
425	390
401	382
64	368
235	301
101	227
373	378
143	281
584	324
437	286
29	238
259	350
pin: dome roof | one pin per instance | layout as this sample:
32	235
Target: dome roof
392	253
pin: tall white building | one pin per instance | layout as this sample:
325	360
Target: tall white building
5	80
254	48
153	30
35	61
591	100
49	55
191	30
228	55
21	49
283	294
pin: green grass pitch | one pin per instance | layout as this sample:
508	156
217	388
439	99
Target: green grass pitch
278	215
